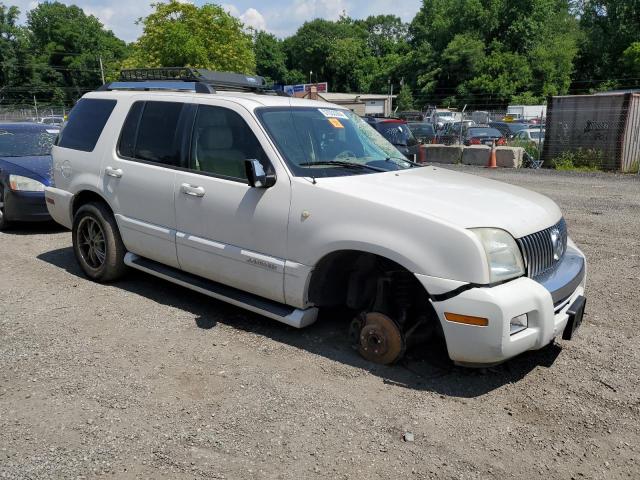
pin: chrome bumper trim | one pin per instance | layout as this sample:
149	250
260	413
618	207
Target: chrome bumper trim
563	280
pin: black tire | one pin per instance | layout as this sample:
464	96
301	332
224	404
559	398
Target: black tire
97	243
4	224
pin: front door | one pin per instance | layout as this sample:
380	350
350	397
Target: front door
227	231
139	175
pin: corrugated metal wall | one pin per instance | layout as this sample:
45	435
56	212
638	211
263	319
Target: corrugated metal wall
630	161
595	122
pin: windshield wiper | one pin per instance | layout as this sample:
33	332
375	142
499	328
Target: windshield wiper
413	164
344	164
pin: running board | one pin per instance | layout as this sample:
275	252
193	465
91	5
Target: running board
291	316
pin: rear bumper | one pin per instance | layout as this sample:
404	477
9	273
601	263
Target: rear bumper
59	204
494	343
25	206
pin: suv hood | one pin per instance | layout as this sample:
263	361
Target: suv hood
465	200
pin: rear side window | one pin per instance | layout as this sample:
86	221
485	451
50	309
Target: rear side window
86	122
151	132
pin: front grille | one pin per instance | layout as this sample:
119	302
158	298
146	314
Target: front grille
538	249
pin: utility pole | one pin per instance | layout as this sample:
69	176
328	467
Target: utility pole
461	124
540	139
101	70
310	73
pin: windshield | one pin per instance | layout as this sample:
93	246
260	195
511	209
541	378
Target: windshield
516	127
327	142
535	134
397	133
17	143
421	128
484	132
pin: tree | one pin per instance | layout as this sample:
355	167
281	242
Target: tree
180	34
270	57
67	46
609	27
405	98
327	48
15	69
631	58
486	51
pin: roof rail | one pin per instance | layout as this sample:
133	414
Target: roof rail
188	78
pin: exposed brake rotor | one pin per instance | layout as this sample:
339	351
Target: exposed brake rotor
380	339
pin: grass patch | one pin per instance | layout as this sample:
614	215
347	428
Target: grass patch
580	160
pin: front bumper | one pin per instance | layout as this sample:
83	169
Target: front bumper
545	304
25	206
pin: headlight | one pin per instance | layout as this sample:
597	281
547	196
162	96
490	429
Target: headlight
503	254
25	184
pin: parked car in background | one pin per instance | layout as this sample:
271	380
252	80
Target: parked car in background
441	116
423	131
453	133
53	120
483	136
398	134
508	129
411	116
532	135
25	169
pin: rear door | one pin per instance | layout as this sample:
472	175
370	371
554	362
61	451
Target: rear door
139	175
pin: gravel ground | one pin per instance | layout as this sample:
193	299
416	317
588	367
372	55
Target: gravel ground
143	379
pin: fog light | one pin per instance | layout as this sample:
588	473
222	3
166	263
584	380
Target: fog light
519	323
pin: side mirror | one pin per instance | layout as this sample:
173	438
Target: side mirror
256	175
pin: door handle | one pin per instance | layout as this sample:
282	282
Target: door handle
113	172
192	190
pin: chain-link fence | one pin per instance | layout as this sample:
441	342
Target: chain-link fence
31	113
599	132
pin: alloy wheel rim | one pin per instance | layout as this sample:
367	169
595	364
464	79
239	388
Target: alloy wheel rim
91	242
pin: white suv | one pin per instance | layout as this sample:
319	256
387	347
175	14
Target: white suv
286	206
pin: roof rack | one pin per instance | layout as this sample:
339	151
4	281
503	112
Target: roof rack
199	80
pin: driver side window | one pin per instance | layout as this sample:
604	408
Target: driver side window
221	142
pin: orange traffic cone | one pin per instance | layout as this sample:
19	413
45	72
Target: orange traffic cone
492	157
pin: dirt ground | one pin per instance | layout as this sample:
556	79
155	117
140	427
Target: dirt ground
143	379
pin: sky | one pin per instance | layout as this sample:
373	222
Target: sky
280	17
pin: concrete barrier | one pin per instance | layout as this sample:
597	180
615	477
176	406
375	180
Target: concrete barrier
476	155
509	157
442	153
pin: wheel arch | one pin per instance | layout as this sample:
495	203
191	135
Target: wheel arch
84	196
329	280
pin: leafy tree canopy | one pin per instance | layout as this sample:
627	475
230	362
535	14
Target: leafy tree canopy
180	34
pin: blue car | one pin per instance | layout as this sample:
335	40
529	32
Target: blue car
25	169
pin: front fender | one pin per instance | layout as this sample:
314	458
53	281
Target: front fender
322	222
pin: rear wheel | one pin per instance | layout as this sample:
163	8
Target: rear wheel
97	243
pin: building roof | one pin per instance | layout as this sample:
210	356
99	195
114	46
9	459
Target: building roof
353	97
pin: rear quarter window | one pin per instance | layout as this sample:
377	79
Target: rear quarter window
86	122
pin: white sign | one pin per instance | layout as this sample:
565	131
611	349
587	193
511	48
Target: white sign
333	113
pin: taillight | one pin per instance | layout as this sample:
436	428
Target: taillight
475	141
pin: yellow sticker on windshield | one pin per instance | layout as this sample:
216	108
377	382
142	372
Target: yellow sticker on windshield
335	122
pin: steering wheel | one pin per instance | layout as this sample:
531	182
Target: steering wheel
345	155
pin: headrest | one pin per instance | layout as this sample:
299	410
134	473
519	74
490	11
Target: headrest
215	138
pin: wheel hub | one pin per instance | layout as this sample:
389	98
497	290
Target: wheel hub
380	339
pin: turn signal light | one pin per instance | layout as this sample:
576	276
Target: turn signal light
466	319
